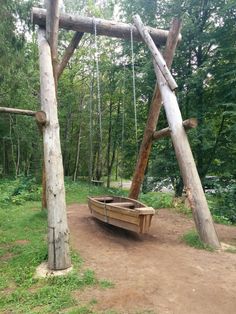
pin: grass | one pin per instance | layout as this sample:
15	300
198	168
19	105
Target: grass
157	199
192	239
79	191
106	284
231	250
23	229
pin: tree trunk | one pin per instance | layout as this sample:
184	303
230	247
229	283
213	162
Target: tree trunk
69	52
154	111
109	167
77	155
12	146
104	27
195	193
58	233
52	25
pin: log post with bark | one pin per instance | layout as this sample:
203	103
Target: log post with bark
201	214
153	115
58	233
52	24
187	124
109	28
69	52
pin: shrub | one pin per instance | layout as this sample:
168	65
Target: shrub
225	208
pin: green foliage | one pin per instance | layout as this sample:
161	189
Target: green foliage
80	190
19	191
224	209
157	200
204	67
22	248
106	284
231	250
192	239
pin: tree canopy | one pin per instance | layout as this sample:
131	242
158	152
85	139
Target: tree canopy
204	67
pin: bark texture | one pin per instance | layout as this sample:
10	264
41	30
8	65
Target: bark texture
58	233
104	27
192	182
153	115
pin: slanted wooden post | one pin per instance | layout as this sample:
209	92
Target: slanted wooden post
154	111
69	52
192	182
58	233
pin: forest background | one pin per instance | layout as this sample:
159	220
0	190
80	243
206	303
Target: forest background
204	68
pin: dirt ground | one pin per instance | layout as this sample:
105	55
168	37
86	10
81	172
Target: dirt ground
155	273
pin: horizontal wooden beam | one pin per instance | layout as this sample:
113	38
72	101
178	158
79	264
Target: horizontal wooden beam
17	111
188	124
40	116
104	27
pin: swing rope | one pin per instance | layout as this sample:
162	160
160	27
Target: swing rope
91	85
134	88
122	130
98	81
91	130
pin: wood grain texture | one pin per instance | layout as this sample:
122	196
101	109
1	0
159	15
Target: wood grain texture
104	27
122	212
58	233
52	26
18	111
157	56
69	52
201	214
153	115
187	124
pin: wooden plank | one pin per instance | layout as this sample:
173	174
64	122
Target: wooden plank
104	27
125	211
123	204
119	223
104	199
58	232
146	210
153	115
117	215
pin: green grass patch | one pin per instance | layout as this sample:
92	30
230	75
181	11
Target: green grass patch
231	250
79	191
192	239
106	284
23	246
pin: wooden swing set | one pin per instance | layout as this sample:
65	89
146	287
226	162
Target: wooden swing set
49	21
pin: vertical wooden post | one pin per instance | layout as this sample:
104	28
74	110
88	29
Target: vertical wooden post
153	115
192	182
52	25
58	233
